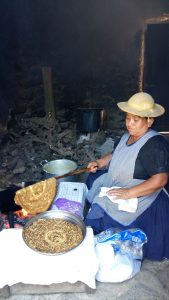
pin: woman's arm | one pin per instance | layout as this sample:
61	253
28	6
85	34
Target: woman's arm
100	163
147	187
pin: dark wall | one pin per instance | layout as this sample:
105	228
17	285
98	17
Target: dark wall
156	73
89	44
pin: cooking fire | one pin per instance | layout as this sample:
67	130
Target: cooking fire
16	219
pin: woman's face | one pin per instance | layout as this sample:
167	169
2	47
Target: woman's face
136	125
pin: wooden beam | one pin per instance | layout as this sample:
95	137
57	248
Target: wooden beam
48	90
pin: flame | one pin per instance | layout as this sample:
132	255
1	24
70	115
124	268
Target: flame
24	212
21	213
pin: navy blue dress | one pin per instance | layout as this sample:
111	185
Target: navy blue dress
154	221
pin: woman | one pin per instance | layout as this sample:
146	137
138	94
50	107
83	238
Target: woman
138	168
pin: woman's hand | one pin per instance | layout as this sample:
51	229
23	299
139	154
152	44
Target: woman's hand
100	163
93	166
119	193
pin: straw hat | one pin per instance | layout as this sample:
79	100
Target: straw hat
143	105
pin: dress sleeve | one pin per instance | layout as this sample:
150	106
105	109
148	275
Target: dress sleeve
153	158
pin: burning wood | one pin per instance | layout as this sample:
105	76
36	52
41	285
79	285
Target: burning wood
19	219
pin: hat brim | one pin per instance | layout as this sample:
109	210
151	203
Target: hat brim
156	111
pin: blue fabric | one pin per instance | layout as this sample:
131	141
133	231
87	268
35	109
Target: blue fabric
154	222
93	176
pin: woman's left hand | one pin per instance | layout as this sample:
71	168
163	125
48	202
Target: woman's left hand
120	193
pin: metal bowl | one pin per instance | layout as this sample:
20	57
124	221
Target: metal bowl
56	214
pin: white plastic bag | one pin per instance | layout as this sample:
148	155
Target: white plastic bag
119	254
115	267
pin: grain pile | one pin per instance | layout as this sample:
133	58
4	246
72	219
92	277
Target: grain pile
52	235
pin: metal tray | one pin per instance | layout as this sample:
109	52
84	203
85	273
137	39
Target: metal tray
58	214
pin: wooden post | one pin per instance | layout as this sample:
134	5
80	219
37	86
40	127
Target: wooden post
48	90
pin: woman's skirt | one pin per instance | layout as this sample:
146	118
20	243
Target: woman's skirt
93	176
154	222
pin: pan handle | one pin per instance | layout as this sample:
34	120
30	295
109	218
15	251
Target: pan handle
77	171
43	162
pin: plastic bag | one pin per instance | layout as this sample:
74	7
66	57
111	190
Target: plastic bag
119	254
128	241
114	267
69	205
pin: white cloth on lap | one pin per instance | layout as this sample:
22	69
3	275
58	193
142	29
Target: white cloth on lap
129	205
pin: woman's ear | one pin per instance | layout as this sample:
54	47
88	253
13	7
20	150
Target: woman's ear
150	121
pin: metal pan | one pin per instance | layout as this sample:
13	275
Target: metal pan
56	214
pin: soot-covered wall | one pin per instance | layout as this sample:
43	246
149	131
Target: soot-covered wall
92	47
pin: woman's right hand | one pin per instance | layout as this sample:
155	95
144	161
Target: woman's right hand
100	163
93	166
